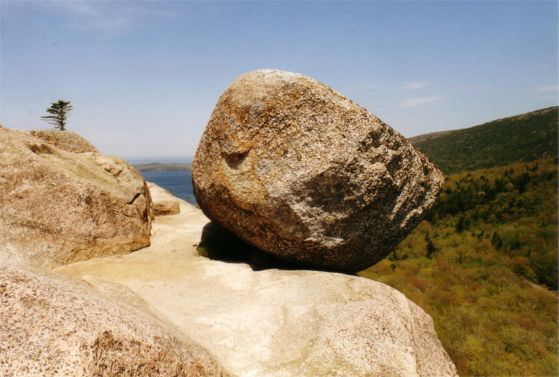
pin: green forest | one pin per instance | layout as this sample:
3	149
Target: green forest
484	266
521	138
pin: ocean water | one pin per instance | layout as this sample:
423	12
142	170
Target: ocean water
178	182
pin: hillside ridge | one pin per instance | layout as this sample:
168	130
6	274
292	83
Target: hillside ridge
436	134
520	138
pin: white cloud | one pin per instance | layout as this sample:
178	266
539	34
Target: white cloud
417	101
415	85
547	88
471	88
104	16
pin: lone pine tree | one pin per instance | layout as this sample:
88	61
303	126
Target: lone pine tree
59	112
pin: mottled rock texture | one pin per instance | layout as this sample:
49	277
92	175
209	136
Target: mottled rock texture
57	206
52	327
66	140
300	171
272	323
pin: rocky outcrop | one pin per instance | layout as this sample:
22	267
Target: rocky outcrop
57	206
164	204
166	208
271	322
52	327
299	171
66	140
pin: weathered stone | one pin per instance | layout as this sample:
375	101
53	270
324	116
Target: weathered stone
164	204
53	327
57	206
299	171
271	323
166	208
66	140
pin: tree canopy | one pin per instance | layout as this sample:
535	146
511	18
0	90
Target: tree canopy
58	114
483	264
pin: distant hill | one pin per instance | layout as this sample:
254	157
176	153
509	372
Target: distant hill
159	166
520	138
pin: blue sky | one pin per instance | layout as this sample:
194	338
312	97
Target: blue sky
144	76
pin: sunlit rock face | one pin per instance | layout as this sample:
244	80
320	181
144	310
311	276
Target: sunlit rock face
60	202
55	327
272	322
302	172
66	140
163	202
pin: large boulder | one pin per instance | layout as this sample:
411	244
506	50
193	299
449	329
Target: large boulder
300	171
57	206
52	327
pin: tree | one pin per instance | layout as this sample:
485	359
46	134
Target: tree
431	248
461	224
59	112
496	241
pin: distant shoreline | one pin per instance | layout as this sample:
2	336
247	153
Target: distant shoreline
159	166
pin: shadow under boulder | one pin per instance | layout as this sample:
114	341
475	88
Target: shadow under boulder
218	243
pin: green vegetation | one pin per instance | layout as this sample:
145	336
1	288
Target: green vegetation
58	114
484	266
520	138
159	166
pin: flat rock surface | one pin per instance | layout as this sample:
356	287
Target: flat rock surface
271	322
302	172
53	327
58	206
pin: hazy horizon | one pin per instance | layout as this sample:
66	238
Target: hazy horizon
162	159
144	76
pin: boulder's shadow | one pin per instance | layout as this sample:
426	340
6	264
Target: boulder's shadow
218	243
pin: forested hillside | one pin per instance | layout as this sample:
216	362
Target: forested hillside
484	266
521	138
